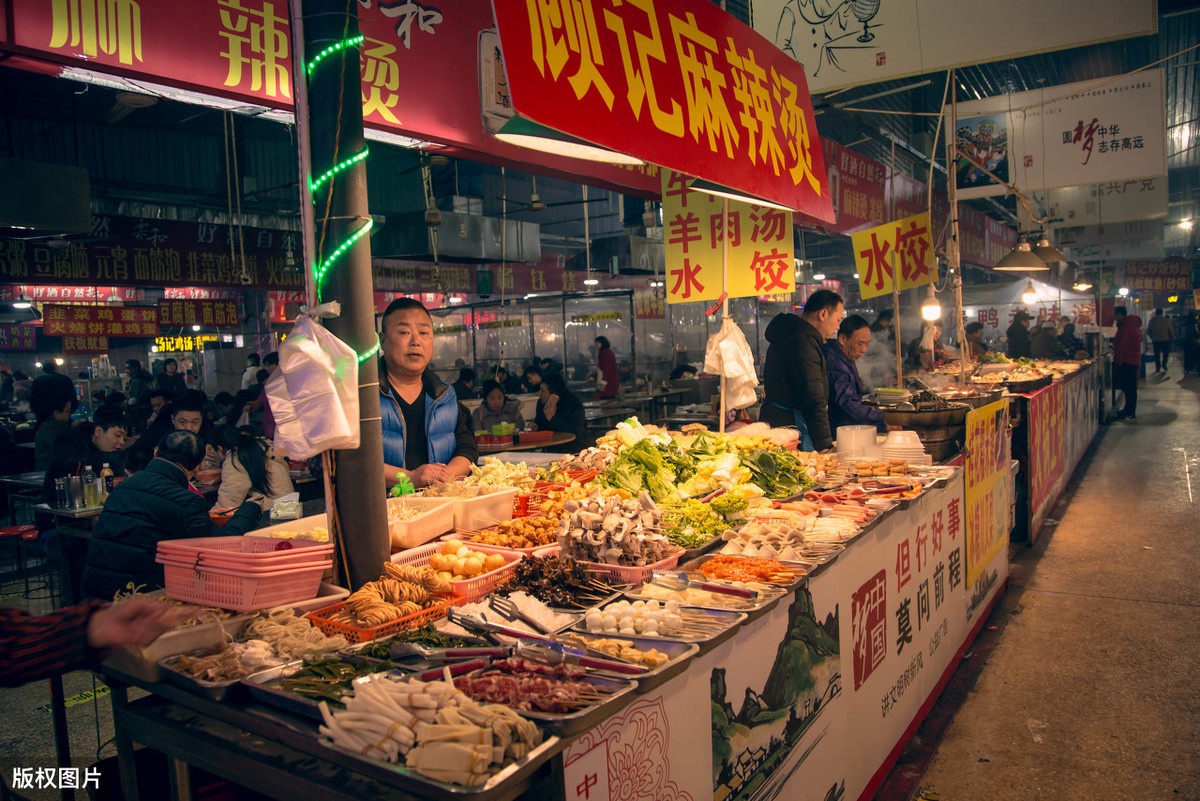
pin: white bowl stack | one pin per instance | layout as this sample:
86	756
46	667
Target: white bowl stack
905	445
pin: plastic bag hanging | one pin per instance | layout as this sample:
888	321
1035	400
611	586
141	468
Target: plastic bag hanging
314	393
728	354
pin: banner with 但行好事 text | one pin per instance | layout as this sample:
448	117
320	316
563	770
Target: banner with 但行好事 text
760	250
904	246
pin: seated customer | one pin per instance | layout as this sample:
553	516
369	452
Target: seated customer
427	433
531	379
845	385
496	409
150	506
186	413
559	410
464	387
249	466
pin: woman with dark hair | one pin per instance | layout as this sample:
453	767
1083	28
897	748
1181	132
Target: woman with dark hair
248	465
170	380
559	410
608	381
495	409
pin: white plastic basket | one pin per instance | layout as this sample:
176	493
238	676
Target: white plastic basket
437	519
484	511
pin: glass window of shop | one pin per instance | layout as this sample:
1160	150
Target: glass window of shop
548	329
502	337
453	340
609	315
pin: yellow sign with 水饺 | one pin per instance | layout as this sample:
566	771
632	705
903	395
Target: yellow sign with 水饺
904	246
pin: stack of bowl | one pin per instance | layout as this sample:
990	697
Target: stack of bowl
905	445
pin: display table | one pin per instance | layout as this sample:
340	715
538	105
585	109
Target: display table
1052	429
559	438
844	669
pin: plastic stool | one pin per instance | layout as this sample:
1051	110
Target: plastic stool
21	534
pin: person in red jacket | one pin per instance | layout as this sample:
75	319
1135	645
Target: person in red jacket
609	375
1127	358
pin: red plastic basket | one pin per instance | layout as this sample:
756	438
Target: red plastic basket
620	574
241	590
472	588
331	628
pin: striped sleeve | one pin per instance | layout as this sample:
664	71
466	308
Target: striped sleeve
33	647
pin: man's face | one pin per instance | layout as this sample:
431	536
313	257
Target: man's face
828	320
64	414
111	440
157	402
171	368
408	341
187	421
856	344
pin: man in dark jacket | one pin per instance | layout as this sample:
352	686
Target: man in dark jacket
845	386
141	383
795	376
150	506
1127	360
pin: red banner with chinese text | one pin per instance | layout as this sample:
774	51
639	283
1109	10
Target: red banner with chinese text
856	186
60	320
679	84
1047	446
18	337
1169	275
85	344
72	294
207	313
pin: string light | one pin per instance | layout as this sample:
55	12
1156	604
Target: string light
353	41
322	268
362	357
315	184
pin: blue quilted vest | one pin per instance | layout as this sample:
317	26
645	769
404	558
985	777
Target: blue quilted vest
441	418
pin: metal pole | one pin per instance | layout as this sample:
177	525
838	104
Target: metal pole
334	131
953	261
895	278
724	296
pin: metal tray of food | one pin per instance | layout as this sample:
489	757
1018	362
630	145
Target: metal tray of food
570	723
265	686
678	654
510	778
719	623
799	569
215	690
767	595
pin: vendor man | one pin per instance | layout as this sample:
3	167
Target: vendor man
426	431
845	386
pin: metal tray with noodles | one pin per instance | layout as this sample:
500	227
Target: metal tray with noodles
678	654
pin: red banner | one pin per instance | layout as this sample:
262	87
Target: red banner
85	345
59	320
18	337
202	293
130	251
679	84
69	294
207	313
857	188
1047	445
1169	275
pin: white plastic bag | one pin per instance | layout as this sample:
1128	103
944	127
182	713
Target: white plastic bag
314	393
728	354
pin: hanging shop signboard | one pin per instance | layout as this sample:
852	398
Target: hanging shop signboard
679	84
1107	203
185	343
84	344
207	313
756	241
849	44
1169	275
857	187
71	294
132	251
18	337
905	245
61	320
1108	130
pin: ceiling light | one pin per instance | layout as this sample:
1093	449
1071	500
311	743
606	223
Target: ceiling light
195	328
931	309
1030	295
591	281
1123	291
856	276
1082	284
1047	252
1021	259
454	300
1186	224
818	276
713	188
22	302
59	361
527	133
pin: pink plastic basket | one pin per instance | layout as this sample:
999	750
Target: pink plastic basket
241	590
245	552
472	588
620	574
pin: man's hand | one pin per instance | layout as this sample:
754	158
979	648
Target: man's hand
428	474
133	622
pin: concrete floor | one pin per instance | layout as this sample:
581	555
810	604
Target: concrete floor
1088	688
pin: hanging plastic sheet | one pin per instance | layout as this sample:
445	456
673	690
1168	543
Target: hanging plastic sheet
728	354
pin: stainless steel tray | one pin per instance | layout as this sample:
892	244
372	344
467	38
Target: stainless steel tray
511	775
714	600
783	588
679	653
728	619
215	690
570	723
259	686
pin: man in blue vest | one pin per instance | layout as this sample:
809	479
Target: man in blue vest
426	432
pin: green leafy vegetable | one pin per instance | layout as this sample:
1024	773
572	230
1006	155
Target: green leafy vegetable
691	524
778	473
